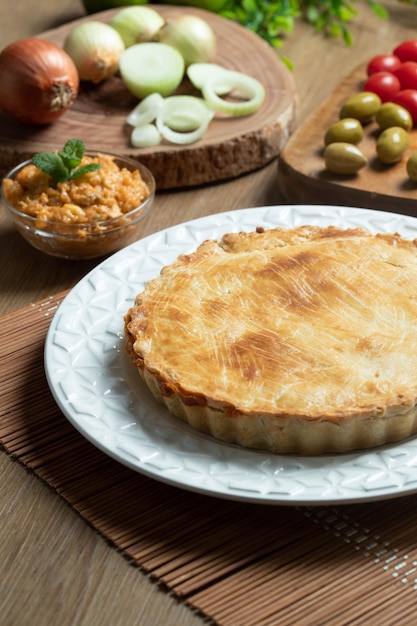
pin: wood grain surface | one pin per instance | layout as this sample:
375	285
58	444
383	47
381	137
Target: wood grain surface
54	567
302	175
230	147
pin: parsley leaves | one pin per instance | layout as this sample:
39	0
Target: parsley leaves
273	19
64	165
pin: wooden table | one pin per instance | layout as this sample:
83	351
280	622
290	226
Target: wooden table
54	568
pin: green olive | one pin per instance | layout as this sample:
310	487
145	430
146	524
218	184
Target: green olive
391	144
391	114
347	130
362	106
412	166
344	158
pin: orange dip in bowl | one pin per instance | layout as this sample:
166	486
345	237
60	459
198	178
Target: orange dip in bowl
84	217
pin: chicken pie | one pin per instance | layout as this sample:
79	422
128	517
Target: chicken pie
298	340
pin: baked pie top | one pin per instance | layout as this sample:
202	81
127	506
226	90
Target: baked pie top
311	323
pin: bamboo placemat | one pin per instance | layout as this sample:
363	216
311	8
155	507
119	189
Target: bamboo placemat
239	564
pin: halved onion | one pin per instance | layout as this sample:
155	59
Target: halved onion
136	24
246	87
151	67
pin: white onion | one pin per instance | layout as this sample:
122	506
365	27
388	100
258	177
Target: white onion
137	24
95	48
152	67
192	36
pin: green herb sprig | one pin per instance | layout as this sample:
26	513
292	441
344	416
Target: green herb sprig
274	19
65	165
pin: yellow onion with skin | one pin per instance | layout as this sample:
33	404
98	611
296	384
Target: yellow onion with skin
136	24
96	48
192	36
39	81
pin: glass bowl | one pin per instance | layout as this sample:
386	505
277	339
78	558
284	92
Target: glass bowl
86	240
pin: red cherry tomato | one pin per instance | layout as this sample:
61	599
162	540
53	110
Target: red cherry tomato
384	84
407	75
407	98
383	63
407	51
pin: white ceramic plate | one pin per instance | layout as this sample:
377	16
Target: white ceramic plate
99	390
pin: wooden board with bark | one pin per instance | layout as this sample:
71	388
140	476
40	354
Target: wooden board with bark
230	147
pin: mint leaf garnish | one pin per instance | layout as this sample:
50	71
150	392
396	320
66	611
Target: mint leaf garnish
65	165
75	148
85	169
51	164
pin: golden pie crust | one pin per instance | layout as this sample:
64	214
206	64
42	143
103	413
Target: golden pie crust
296	340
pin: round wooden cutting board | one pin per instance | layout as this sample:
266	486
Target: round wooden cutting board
229	148
303	178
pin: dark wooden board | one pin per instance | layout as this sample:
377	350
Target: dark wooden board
303	179
230	147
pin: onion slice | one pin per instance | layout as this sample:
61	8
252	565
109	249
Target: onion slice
199	73
249	87
145	136
151	67
186	114
183	121
146	111
197	112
